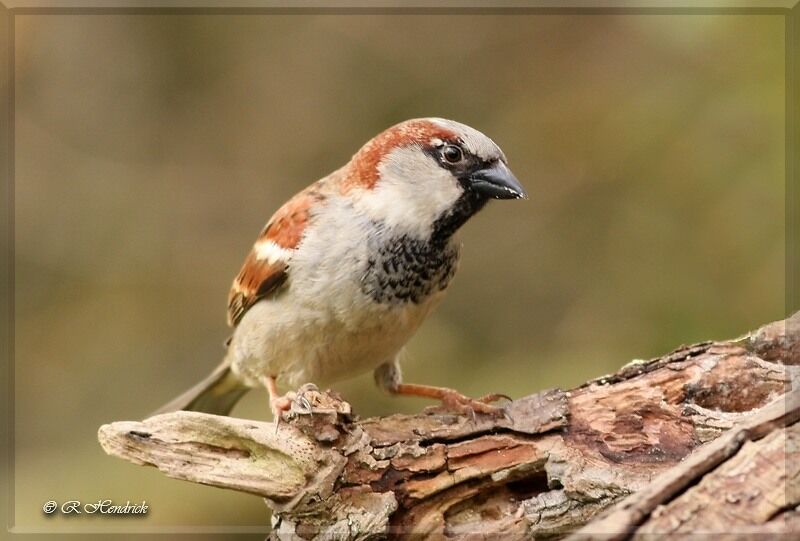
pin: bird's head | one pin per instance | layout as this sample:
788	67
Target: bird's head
428	176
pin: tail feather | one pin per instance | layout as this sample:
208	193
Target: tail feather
216	394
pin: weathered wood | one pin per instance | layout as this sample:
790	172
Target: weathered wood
552	464
770	420
756	487
229	453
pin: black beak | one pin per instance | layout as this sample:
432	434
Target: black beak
497	182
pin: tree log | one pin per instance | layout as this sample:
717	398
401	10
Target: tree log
704	439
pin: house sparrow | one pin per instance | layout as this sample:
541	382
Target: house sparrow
345	272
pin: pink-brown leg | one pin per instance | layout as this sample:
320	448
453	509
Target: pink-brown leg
277	403
451	399
388	376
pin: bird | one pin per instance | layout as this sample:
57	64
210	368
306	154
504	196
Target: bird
344	273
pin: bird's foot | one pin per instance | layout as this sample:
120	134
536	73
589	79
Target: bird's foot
281	404
301	404
296	403
452	400
292	402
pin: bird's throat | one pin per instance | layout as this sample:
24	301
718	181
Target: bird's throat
466	206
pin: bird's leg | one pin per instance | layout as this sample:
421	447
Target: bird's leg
277	403
389	377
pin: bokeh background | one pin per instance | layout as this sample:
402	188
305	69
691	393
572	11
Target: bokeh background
151	149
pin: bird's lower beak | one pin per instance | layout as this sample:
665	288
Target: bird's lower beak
497	182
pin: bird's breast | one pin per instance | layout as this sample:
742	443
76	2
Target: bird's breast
401	268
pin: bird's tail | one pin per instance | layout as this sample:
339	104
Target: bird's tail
216	394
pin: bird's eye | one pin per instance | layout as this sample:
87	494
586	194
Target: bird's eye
452	154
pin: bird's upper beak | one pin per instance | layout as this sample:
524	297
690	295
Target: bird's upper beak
497	182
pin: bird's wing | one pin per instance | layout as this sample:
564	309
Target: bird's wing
266	267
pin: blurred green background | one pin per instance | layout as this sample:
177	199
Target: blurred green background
151	149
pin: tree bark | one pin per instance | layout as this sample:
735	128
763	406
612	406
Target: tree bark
704	439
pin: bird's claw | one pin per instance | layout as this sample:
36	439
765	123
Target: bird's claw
494	397
302	406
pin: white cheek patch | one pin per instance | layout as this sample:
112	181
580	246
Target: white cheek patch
268	251
411	193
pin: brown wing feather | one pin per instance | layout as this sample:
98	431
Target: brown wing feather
260	277
256	280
